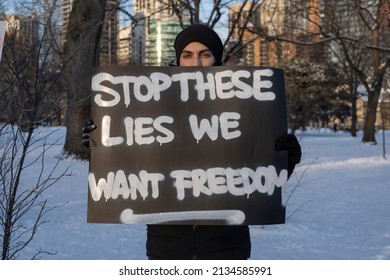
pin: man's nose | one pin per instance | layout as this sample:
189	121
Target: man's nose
196	61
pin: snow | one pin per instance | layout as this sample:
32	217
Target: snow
338	208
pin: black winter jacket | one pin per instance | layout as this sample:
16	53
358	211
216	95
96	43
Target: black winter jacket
183	242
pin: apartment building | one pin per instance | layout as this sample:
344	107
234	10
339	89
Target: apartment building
124	46
154	32
256	24
24	29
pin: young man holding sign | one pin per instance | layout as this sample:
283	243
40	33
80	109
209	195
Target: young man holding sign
198	45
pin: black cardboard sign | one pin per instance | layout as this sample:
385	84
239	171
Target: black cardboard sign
187	145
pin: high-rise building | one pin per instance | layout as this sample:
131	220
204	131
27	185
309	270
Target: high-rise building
124	46
109	35
271	19
154	32
23	29
247	43
66	8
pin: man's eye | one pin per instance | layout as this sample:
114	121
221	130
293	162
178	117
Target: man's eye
207	54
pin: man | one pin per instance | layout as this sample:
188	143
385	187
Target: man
199	45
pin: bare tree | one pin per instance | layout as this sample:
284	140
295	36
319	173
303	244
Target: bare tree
28	89
372	79
369	37
347	24
81	49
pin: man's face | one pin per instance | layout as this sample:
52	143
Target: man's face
196	54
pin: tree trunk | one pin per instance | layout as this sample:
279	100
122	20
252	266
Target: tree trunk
373	94
353	115
369	125
85	23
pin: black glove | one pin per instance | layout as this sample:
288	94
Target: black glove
290	143
88	127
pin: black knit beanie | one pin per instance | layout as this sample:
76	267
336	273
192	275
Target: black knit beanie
203	34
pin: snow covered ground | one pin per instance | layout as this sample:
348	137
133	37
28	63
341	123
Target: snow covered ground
338	208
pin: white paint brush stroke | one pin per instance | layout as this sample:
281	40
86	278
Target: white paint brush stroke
231	217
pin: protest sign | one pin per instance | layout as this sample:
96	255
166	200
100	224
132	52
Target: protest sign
187	145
